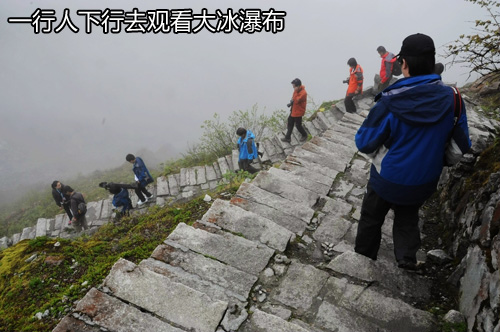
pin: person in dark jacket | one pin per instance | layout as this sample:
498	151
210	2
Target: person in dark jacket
63	201
121	199
406	134
142	177
297	110
247	150
79	220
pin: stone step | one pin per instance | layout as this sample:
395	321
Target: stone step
356	119
311	128
285	188
260	321
293	163
393	315
178	275
340	129
291	215
315	154
229	159
223	166
322	118
252	226
162	188
332	229
300	286
384	272
201	176
176	303
304	178
112	314
237	283
337	138
236	251
173	184
235	157
342	151
71	324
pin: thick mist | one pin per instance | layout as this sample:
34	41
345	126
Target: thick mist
73	103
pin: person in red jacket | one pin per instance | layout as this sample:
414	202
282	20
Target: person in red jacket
388	60
297	111
355	82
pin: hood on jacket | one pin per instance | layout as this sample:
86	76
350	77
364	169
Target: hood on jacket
420	100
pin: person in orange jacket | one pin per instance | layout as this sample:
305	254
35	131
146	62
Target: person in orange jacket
388	60
355	82
297	111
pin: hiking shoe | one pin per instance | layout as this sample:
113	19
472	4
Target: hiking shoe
303	138
148	198
142	202
284	139
407	265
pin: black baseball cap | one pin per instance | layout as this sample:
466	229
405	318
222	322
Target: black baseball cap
417	44
296	82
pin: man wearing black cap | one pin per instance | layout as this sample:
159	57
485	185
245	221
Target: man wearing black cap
408	135
297	111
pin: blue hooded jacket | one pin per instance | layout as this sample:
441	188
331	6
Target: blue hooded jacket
245	152
406	134
142	172
122	199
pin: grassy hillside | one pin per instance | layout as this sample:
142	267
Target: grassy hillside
60	275
40	204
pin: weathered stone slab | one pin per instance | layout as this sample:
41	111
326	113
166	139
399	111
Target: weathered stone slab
285	189
191	176
342	130
311	128
388	313
300	286
383	271
230	249
293	163
321	117
473	285
262	155
162	186
115	315
217	169
59	221
93	210
353	118
341	188
341	149
210	173
315	154
201	176
319	124
234	158
211	270
71	324
332	229
41	227
178	275
252	226
229	160
270	148
307	179
337	138
107	209
51	223
173	184
183	175
263	322
224	167
26	233
285	207
16	238
331	116
334	318
176	303
336	207
4	242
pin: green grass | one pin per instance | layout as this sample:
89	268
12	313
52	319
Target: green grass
28	288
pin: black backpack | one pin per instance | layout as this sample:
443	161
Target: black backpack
396	68
82	209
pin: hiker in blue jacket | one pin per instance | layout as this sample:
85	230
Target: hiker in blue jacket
247	149
121	199
142	177
410	134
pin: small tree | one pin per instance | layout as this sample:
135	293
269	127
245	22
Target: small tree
481	50
219	138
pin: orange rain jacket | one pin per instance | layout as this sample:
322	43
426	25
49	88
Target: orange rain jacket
388	60
299	102
355	80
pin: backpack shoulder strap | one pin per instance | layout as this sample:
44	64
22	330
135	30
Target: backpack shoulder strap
457	101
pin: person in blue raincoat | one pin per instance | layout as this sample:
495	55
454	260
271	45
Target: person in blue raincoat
142	177
121	199
247	149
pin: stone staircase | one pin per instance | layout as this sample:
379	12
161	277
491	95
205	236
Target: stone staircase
277	257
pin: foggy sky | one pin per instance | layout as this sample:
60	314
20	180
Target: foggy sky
77	102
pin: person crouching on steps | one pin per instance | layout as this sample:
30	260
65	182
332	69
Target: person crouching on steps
142	177
247	149
298	109
79	221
